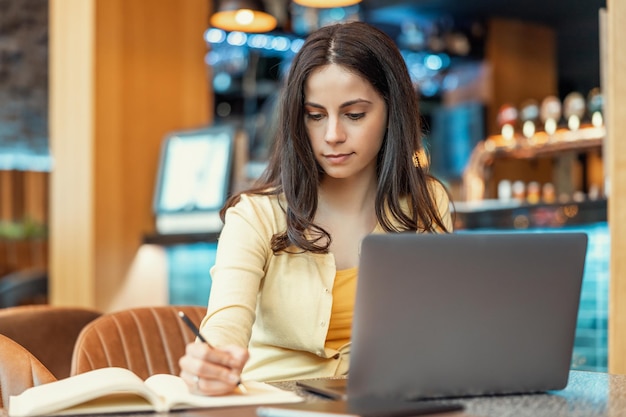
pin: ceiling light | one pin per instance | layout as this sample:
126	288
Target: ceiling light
243	16
326	3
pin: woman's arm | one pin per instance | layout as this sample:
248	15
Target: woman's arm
243	248
241	261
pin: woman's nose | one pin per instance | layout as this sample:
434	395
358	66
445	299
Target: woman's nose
334	131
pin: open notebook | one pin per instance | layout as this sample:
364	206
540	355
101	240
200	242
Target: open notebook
463	314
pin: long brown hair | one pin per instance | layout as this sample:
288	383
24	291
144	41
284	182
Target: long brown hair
293	169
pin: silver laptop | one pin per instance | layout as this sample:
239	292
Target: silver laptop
464	314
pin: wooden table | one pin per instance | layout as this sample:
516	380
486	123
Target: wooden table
588	394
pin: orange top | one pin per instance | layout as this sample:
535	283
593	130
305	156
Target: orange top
344	291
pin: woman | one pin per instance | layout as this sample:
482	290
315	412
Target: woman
343	165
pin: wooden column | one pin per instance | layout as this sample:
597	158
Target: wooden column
123	73
615	154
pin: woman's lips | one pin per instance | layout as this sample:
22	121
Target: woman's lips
337	158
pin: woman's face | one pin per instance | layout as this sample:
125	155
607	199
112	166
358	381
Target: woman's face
345	119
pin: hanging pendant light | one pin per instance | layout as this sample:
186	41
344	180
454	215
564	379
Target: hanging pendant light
243	16
328	4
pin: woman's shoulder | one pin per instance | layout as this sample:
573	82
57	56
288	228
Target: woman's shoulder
264	201
265	208
437	190
442	200
439	197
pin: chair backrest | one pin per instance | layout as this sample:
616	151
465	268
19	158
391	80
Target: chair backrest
48	332
146	340
19	370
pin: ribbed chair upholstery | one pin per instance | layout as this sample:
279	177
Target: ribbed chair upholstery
146	340
19	370
48	332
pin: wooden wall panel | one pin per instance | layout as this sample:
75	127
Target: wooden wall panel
71	144
11	195
146	77
36	196
6	195
522	56
615	154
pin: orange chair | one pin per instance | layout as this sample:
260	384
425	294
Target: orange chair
19	370
48	332
146	340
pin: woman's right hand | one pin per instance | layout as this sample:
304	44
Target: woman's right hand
212	371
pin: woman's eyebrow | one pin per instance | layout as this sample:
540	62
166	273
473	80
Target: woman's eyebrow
311	104
355	101
342	105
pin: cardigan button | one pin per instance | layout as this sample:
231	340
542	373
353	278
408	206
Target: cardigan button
322	323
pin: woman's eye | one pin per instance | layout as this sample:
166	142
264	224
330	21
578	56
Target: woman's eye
314	116
355	116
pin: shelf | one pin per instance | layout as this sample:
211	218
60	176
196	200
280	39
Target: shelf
179	238
516	215
563	142
542	144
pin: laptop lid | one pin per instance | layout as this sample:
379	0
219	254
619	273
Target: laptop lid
465	314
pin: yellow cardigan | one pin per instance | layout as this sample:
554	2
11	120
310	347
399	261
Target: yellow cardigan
277	305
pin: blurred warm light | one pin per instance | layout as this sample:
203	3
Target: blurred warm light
597	119
573	123
244	21
243	16
326	4
528	129
508	132
550	126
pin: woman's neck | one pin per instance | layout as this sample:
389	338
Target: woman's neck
352	195
346	210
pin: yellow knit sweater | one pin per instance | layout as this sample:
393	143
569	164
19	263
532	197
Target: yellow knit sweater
277	305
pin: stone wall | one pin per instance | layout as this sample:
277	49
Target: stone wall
23	82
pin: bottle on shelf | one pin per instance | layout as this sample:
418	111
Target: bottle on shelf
574	110
550	112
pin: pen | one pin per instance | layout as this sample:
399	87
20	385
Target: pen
196	331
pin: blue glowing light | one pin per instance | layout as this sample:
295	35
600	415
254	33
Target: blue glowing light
296	44
258	41
280	43
214	35
222	81
433	62
236	38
